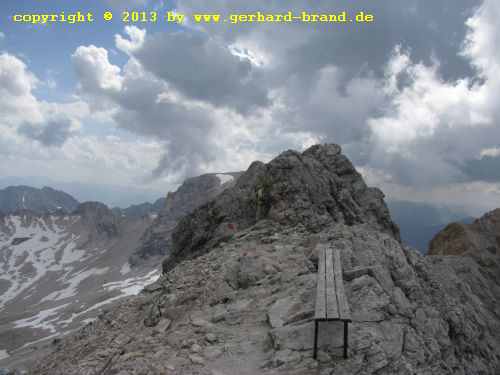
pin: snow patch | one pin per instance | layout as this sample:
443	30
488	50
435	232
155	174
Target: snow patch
125	269
71	289
40	340
41	320
41	255
224	178
128	287
3	354
70	253
134	285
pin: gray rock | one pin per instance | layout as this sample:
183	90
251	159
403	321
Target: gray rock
163	326
287	310
196	359
212	353
153	315
287	357
211	338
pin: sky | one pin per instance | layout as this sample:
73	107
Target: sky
412	98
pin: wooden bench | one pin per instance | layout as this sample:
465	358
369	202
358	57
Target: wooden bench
331	301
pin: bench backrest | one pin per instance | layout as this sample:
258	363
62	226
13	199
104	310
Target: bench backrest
331	301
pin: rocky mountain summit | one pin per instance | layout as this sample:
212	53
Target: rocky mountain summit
316	188
17	198
238	292
458	238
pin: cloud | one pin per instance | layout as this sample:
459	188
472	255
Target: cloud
401	109
54	133
137	37
15	79
143	104
94	70
431	29
432	129
202	68
22	113
491	152
36	136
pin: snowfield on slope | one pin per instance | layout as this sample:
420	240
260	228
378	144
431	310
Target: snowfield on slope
58	271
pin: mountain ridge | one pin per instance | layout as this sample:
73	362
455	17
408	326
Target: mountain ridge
46	199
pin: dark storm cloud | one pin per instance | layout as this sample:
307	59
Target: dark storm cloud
203	69
52	133
429	29
183	127
336	105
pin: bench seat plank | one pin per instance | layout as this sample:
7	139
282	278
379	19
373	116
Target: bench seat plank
320	310
343	307
332	309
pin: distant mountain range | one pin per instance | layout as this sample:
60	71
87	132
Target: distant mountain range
16	198
111	195
418	222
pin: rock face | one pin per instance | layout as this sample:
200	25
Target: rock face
193	193
243	301
457	238
98	215
45	200
317	188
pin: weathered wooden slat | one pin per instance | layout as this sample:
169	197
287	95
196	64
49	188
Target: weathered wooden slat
332	310
320	311
344	311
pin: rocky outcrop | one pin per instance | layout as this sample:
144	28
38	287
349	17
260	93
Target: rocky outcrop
317	188
100	216
40	201
193	193
458	238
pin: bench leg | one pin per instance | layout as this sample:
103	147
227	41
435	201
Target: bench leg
315	350
346	338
